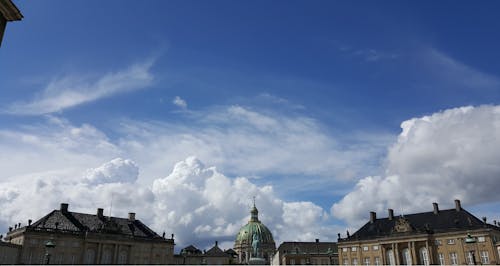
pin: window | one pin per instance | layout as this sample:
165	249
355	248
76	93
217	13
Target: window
453	258
376	261
345	262
302	261
438	242
367	261
344	249
424	256
481	239
355	261
484	257
390	257
292	261
90	257
441	258
470	258
122	257
375	247
106	257
406	257
365	248
354	249
451	241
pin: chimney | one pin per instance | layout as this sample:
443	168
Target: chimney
373	217
436	207
391	214
131	216
172	236
458	207
100	212
29	222
64	207
317	240
216	243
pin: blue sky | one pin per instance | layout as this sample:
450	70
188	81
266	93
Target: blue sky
341	75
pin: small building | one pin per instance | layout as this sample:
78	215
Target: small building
446	237
8	12
65	237
306	253
191	255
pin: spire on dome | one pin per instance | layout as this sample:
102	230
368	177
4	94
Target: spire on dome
254	213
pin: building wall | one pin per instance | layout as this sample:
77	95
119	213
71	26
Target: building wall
451	246
92	248
9	253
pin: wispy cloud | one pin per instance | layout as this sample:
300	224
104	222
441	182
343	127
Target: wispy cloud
367	54
452	71
180	102
72	90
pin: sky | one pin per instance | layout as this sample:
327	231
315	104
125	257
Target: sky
183	111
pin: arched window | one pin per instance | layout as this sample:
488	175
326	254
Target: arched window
391	260
424	256
406	256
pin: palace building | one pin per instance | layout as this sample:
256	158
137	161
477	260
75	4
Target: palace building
65	237
252	232
446	237
306	253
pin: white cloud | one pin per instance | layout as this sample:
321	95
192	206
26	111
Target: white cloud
449	155
179	102
117	170
72	90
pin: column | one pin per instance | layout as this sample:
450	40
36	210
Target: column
98	255
413	252
396	254
429	252
383	260
115	254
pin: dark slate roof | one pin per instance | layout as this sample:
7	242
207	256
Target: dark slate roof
190	250
75	222
231	252
308	247
424	223
215	251
9	10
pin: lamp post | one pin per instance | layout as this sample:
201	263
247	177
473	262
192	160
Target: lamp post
471	240
49	245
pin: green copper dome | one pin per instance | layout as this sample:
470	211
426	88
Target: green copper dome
254	226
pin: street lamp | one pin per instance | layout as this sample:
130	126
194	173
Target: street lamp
49	245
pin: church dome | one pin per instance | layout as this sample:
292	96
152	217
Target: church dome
254	226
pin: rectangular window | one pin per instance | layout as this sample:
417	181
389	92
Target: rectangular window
345	262
376	261
438	242
453	258
485	259
355	261
354	249
367	261
441	259
481	239
375	247
470	258
451	241
365	248
292	261
344	249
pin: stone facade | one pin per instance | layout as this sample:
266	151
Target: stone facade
90	239
306	253
191	255
9	253
447	237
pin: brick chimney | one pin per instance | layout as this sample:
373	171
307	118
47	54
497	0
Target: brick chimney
391	214
436	207
100	212
458	207
317	240
373	217
131	216
64	207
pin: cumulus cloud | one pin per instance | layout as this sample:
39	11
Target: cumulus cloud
197	203
448	155
72	90
178	101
